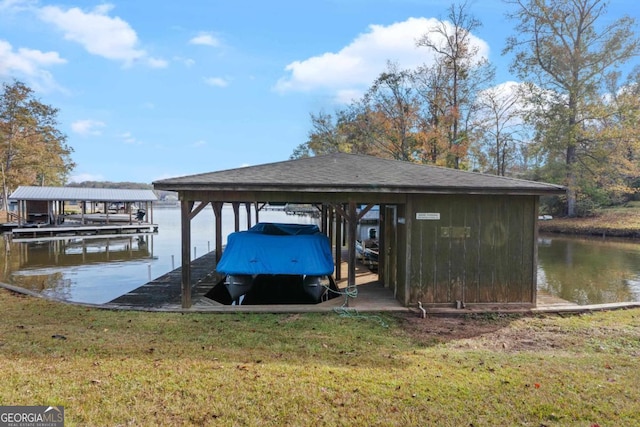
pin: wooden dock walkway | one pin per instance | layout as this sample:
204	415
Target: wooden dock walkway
164	294
165	291
21	234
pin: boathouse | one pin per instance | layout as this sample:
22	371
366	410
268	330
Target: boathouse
447	237
50	211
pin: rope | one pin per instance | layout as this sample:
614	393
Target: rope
344	310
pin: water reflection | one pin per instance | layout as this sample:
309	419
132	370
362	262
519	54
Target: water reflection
52	267
589	271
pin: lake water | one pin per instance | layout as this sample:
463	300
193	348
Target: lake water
581	270
589	270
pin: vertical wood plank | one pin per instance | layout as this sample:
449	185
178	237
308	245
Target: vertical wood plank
338	248
217	210
352	224
236	216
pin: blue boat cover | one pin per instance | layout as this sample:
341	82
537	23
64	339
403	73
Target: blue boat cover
271	248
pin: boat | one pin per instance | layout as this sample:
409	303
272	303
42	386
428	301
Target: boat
367	246
107	217
368	252
275	263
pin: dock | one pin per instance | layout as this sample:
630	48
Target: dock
164	294
47	230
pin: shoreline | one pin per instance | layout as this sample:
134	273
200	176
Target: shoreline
623	222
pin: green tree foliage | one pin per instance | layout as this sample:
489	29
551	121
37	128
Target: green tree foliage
566	51
452	84
423	115
32	150
391	108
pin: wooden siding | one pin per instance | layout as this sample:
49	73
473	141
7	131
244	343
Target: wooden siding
479	251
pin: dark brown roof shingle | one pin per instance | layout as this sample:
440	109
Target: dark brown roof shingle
354	172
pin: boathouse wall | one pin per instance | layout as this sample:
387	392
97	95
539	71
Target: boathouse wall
476	249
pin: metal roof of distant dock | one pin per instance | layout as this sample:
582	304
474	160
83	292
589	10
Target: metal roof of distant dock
342	172
83	194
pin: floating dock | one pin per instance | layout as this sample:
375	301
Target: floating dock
48	231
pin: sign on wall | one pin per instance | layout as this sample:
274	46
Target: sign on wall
430	216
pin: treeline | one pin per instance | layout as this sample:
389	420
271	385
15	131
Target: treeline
109	184
574	120
32	149
162	194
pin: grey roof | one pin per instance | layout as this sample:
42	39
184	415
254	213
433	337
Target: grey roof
83	194
354	172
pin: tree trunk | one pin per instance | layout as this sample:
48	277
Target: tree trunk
571	181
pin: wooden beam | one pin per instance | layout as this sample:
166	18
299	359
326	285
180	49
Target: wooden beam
185	217
236	216
364	211
352	225
197	210
217	210
338	247
382	251
257	212
324	218
248	207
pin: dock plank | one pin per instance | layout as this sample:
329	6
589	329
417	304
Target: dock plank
166	290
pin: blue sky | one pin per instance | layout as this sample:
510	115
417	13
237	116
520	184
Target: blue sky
156	89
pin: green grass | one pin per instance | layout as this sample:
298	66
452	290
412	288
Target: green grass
621	221
134	368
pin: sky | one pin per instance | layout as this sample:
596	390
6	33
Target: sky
148	90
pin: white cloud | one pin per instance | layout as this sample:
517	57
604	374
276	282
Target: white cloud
187	62
87	127
157	63
16	5
199	143
206	39
99	33
216	81
352	69
29	64
128	138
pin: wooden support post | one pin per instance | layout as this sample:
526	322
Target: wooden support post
352	224
248	206
324	219
217	210
236	215
257	212
381	243
338	246
185	217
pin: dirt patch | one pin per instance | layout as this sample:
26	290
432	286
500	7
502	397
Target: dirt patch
507	332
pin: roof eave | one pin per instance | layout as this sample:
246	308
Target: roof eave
370	188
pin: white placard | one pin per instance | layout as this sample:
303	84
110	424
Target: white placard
428	215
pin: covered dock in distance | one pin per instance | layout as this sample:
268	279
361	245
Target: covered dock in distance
50	211
448	238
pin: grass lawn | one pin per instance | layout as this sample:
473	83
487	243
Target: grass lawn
622	221
112	368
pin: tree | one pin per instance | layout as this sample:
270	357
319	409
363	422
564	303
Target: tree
391	114
460	75
32	150
561	47
501	122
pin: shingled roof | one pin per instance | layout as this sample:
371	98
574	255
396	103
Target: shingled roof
354	173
